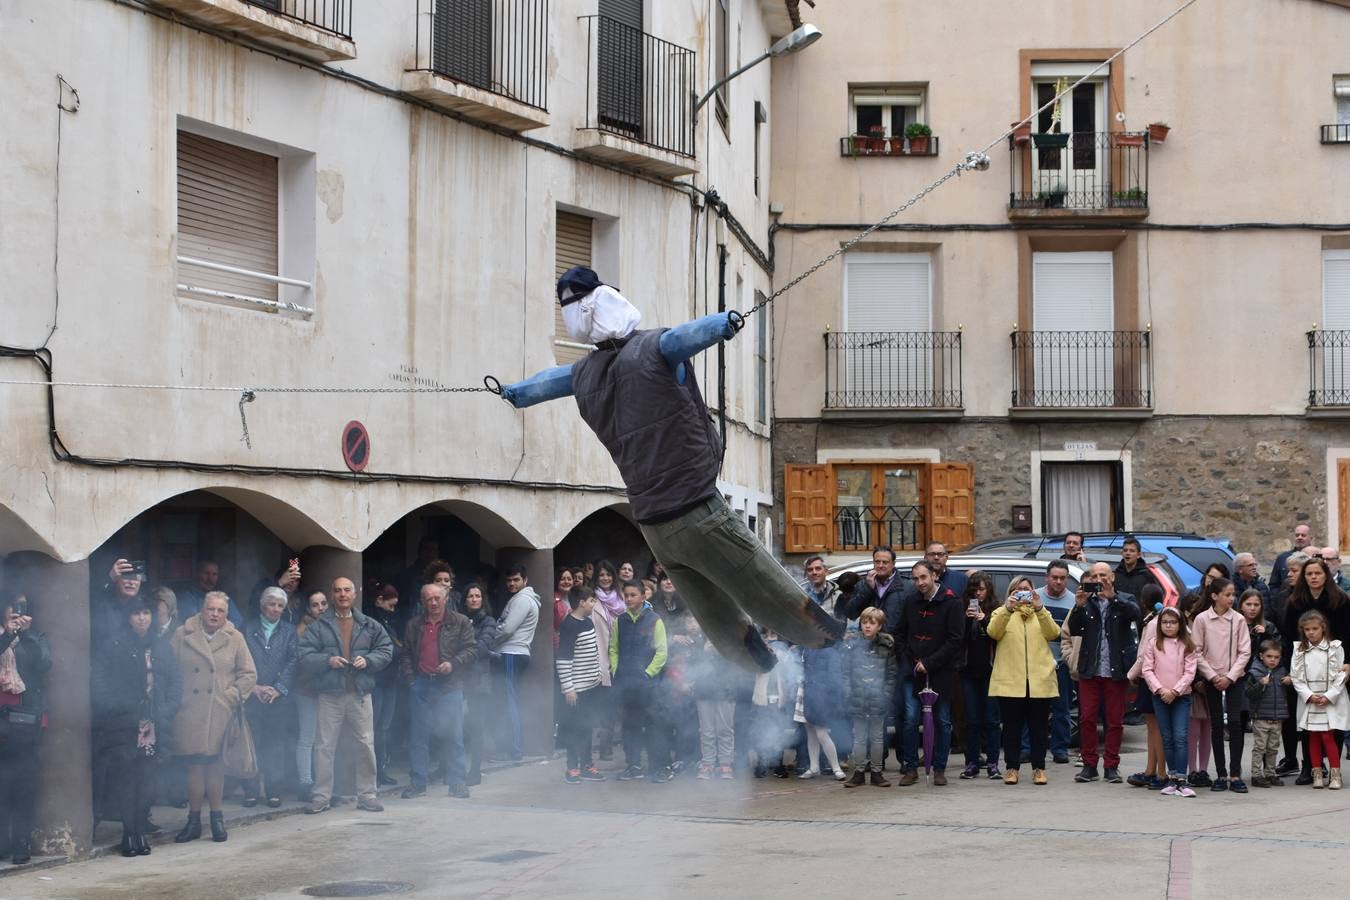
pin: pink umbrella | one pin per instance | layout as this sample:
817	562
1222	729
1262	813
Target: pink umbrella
929	698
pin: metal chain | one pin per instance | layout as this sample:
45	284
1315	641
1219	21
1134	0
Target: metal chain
975	161
845	247
233	389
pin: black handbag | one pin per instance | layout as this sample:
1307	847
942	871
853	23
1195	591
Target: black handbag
17	724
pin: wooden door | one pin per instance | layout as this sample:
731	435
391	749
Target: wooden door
809	514
951	504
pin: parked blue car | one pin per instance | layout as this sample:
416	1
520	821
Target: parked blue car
1189	554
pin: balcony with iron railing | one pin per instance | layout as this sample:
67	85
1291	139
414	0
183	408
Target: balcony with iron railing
486	59
1079	175
1082	374
1336	134
1329	373
863	527
639	99
316	29
881	374
875	145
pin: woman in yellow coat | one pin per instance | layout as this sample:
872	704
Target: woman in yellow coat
1024	675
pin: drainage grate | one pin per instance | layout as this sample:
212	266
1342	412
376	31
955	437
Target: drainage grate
511	856
358	888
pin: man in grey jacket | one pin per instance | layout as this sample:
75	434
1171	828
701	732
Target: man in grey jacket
515	633
638	393
339	655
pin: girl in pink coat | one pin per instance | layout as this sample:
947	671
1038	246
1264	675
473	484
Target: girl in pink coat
1169	664
1225	646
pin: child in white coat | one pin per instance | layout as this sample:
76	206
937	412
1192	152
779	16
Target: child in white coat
1323	707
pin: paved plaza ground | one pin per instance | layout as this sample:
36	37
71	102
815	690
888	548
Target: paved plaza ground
526	833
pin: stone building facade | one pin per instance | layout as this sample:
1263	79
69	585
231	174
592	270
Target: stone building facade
1119	325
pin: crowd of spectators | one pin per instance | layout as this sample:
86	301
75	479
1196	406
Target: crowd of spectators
196	695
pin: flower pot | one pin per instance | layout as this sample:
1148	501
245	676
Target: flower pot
1050	140
897	146
1129	139
861	144
1157	132
1021	133
918	145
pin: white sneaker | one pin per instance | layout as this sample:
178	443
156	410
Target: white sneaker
809	773
839	775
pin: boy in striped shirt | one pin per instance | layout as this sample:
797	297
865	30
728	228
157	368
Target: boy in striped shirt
578	664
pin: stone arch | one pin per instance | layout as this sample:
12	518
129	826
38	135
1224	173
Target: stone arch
17	535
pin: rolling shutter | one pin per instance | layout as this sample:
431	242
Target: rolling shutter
951	504
889	296
227	213
1336	290
806	499
1073	292
573	249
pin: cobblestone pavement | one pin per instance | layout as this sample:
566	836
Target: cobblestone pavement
526	833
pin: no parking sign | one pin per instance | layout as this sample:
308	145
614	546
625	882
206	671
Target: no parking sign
355	446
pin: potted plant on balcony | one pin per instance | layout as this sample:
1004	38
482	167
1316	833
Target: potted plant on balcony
1157	131
876	140
1054	194
918	134
1127	139
1055	138
1133	198
1021	133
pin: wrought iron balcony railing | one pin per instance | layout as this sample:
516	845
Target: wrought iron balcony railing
1328	368
872	145
1082	369
500	46
331	15
638	86
1336	134
865	527
1082	170
893	370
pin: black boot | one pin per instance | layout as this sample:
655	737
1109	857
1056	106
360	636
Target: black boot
22	852
129	845
142	845
218	827
192	830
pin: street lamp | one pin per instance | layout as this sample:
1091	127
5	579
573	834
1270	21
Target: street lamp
798	40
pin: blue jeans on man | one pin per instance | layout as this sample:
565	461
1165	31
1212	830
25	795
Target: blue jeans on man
513	669
439	714
909	738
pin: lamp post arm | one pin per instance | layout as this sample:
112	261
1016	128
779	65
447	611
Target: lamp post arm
712	90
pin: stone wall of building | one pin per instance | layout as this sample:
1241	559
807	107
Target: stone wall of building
1250	479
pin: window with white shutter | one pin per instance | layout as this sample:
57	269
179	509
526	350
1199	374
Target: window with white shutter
1335	317
574	248
888	313
1073	293
227	217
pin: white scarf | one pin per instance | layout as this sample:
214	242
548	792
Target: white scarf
602	315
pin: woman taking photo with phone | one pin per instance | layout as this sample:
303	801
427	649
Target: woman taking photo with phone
25	660
1023	678
982	718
